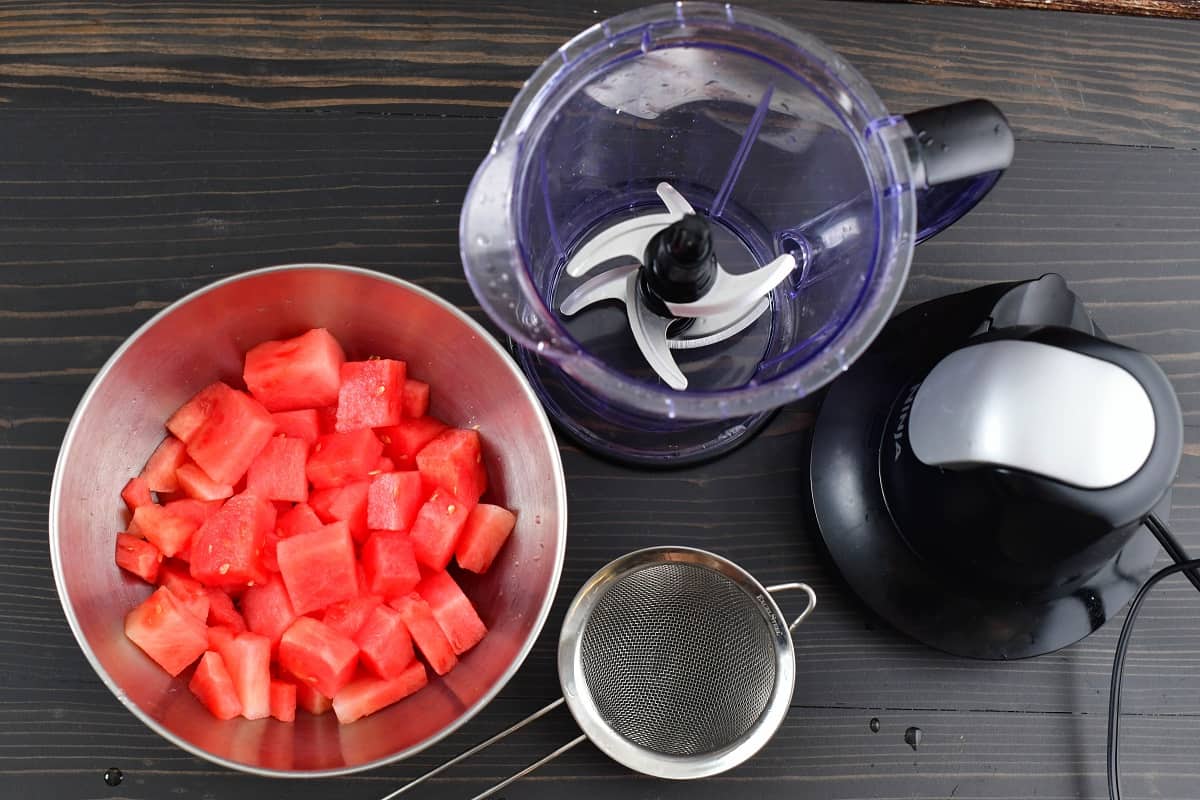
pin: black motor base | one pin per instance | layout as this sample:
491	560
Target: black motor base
932	602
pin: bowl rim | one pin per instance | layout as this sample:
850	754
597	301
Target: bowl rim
542	613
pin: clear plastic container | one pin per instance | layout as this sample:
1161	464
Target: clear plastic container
778	141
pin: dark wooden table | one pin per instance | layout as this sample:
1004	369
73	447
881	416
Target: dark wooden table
147	149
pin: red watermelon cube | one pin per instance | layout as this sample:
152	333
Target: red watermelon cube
318	568
435	532
221	635
225	551
371	394
348	616
136	493
166	632
138	557
384	464
198	486
394	500
213	686
425	632
248	659
384	644
485	532
453	611
311	700
300	424
340	458
236	431
390	566
159	471
222	612
283	700
300	519
192	414
268	610
367	695
197	511
303	372
416	398
404	440
277	473
190	593
454	461
318	655
168	532
344	504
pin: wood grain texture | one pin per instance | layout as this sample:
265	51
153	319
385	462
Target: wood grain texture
1179	9
123	187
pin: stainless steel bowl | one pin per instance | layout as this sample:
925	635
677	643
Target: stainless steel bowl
202	338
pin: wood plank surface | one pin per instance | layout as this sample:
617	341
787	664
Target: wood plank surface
1180	9
178	144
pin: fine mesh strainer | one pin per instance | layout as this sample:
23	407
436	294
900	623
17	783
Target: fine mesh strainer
675	662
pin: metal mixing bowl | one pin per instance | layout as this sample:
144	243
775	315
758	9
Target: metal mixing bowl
202	338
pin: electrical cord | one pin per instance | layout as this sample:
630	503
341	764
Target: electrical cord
1182	564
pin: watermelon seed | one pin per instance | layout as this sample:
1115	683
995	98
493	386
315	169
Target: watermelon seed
912	737
113	776
385	439
380	389
874	724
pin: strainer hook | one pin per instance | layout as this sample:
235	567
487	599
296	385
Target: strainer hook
808	609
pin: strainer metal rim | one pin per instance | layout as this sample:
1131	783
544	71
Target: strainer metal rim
617	747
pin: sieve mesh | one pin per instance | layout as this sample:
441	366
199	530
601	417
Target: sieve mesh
678	659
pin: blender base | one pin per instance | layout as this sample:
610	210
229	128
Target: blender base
620	436
942	608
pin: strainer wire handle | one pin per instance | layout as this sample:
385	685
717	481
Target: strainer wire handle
486	743
546	759
803	587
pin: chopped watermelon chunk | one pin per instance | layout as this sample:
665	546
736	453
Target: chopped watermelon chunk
425	632
221	635
159	471
416	398
454	461
384	464
213	686
236	430
318	655
136	493
197	511
311	700
225	551
303	372
318	568
278	471
166	632
301	519
394	500
283	700
192	414
404	440
486	531
340	458
327	420
390	566
344	504
435	532
348	616
138	556
166	531
268	609
191	594
300	424
248	659
367	695
384	644
453	611
198	486
371	394
222	612
269	558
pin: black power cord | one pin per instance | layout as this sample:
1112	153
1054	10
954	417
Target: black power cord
1182	564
